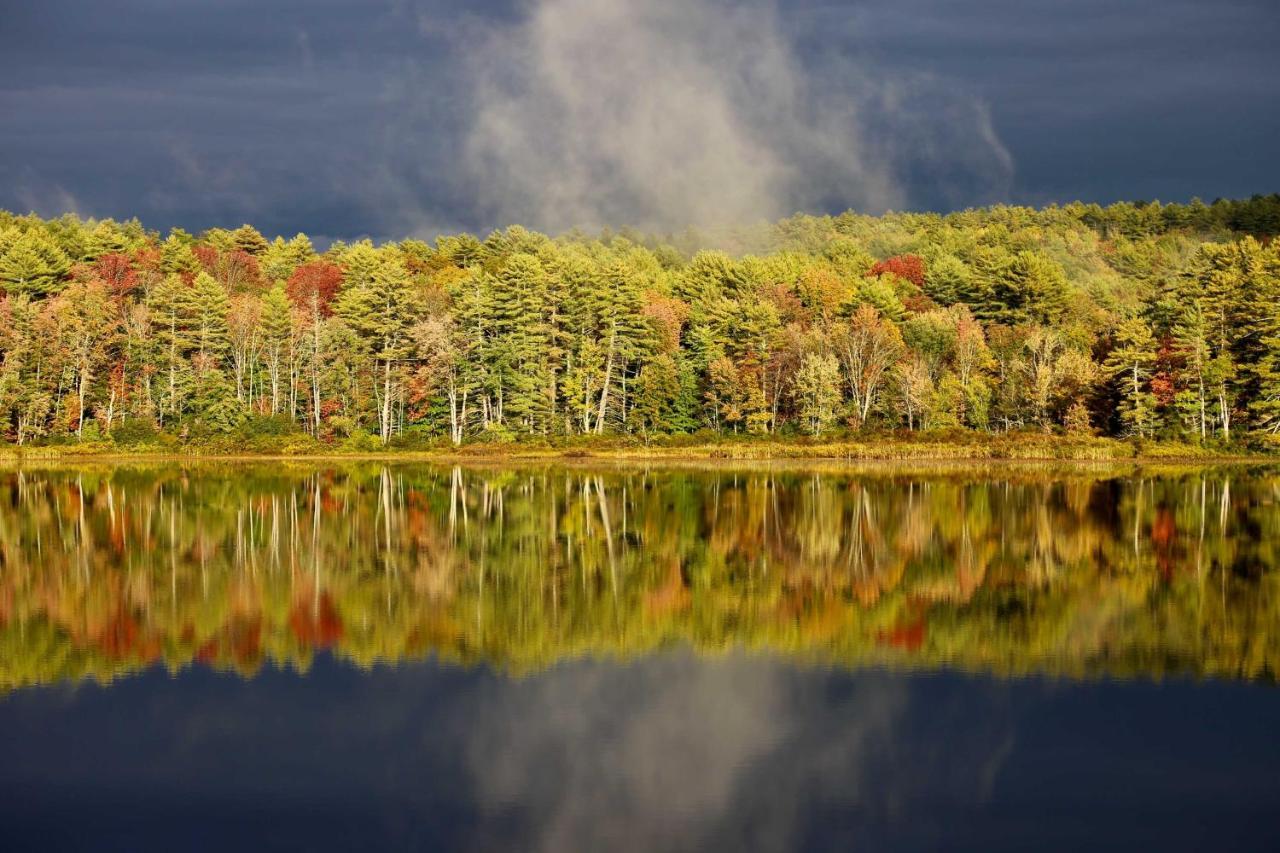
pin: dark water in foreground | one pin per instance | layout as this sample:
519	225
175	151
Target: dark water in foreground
359	657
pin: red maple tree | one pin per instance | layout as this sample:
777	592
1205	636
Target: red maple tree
909	267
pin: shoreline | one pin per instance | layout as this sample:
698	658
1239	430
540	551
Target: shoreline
996	450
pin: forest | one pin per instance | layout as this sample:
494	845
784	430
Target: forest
1140	320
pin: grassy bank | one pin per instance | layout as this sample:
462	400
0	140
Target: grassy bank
951	445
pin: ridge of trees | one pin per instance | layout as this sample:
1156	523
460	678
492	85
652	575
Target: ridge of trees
1138	319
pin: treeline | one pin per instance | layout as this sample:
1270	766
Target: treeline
1145	320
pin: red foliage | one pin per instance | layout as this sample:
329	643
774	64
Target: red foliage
117	272
207	256
147	259
909	267
1164	532
918	303
316	625
1164	388
123	638
241	642
909	637
117	385
238	270
1170	361
318	280
330	503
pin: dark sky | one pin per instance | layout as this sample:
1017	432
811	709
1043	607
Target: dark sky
410	117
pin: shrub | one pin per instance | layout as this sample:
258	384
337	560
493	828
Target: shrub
361	441
272	425
135	431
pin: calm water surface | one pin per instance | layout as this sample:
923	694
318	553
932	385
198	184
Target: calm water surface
362	656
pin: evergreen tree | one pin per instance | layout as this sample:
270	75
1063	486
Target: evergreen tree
658	390
33	265
177	256
380	305
170	320
207	307
277	334
1130	363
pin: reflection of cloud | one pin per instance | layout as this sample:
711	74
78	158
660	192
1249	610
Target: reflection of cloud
671	753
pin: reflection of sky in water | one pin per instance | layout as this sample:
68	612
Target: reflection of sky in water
611	593
671	752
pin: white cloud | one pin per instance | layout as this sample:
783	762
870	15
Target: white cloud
699	112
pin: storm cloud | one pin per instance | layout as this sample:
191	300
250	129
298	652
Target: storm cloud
413	116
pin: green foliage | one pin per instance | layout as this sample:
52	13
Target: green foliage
32	264
1143	320
135	432
816	391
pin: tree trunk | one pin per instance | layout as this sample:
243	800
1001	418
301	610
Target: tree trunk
608	380
81	390
385	417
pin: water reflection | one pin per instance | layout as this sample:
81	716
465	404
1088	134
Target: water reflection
108	569
674	751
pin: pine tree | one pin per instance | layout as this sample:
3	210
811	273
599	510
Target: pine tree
517	339
1266	408
33	265
1031	288
214	403
380	304
277	332
1130	363
176	255
246	238
169	316
946	279
1191	335
207	307
281	258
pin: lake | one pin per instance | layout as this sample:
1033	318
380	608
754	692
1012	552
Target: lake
575	656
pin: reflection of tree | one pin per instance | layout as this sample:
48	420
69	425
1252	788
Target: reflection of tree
108	569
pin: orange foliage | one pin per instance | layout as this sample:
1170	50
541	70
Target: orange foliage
318	281
316	625
909	267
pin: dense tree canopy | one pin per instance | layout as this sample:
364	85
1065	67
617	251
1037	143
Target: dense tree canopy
1144	320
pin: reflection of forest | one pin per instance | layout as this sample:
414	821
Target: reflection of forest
106	570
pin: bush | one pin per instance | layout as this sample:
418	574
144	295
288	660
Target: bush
268	425
361	441
340	426
418	439
135	431
496	434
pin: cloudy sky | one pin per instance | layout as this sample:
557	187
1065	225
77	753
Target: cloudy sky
412	117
